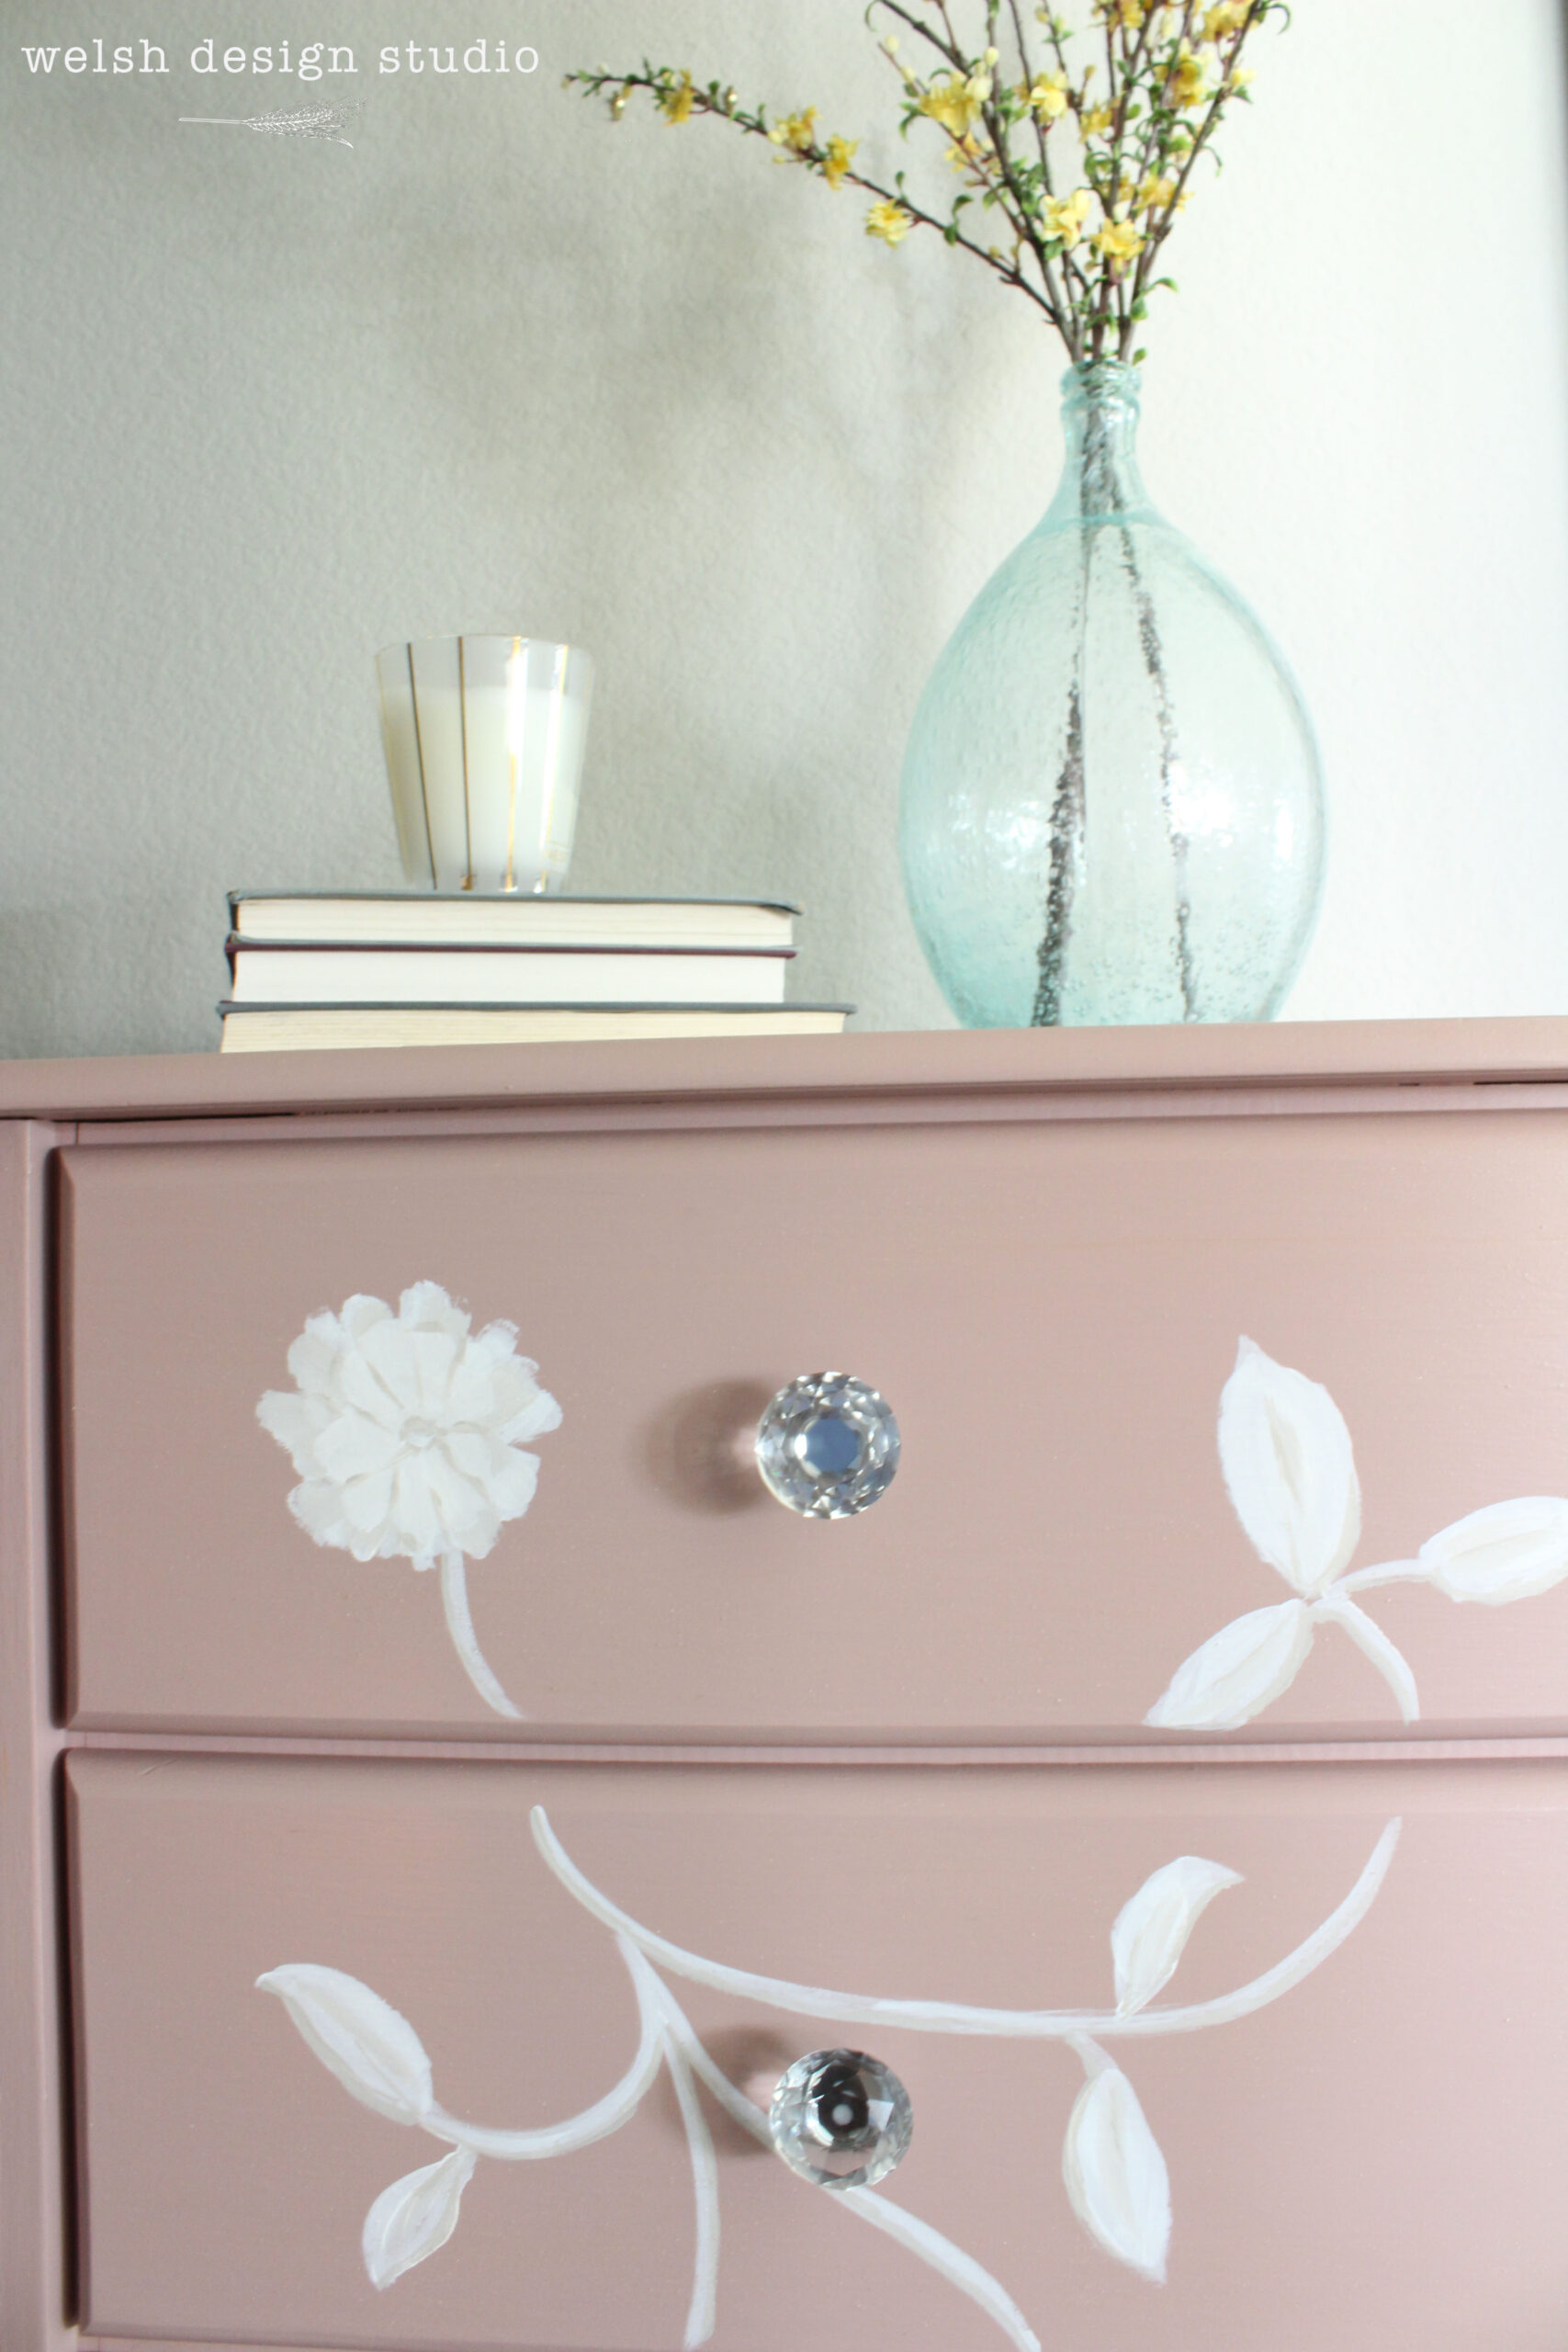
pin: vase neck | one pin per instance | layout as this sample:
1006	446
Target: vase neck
1101	480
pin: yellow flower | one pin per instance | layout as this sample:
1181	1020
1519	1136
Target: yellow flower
1129	13
1098	119
1154	195
888	221
1047	96
1185	85
797	132
1240	77
956	100
1228	17
1119	243
674	100
1066	215
841	154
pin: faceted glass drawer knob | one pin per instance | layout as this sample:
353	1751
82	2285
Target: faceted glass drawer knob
828	1446
841	2119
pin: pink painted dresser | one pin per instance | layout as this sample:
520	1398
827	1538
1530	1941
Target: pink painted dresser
443	1790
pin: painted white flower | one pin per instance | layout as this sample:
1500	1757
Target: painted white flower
406	1429
1287	1464
408	1432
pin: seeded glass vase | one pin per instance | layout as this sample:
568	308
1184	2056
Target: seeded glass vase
1112	806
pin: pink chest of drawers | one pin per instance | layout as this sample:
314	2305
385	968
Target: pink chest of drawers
443	1790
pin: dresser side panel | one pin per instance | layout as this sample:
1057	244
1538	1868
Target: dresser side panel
34	2253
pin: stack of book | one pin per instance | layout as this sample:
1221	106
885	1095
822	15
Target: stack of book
412	968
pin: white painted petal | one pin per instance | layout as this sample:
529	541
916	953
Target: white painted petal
295	1422
1286	1455
1507	1552
366	1505
352	1446
464	1508
363	1391
361	1314
1239	1672
474	1454
497	1341
434	1355
1151	1931
536	1418
427	1306
1115	2174
512	1482
421	1529
373	2051
313	1357
387	1352
415	2216
476	1395
318	1507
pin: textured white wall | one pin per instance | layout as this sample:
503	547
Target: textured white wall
269	404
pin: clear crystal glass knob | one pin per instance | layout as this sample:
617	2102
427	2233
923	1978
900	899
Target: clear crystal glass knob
841	2119
828	1446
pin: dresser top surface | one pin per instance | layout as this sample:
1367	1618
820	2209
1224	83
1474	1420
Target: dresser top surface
958	1063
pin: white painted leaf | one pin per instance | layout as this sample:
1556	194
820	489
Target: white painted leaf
1507	1552
1115	2174
1237	1673
1285	1453
373	2052
1151	1931
415	2216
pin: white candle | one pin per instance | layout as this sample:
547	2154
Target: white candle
484	739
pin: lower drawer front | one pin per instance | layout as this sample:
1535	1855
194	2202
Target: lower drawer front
1330	2112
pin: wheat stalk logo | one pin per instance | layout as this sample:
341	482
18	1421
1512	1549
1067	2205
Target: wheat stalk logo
298	122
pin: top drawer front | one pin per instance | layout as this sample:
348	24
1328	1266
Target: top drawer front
1053	1308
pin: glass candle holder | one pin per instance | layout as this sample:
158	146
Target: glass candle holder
484	739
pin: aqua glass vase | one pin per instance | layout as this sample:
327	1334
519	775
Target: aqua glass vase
1112	806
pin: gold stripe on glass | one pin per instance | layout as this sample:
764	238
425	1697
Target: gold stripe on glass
419	748
463	733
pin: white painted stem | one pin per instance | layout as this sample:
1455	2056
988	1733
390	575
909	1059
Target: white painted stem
960	2270
1095	2059
461	1626
1385	1572
735	2103
957	2017
660	2009
595	2122
1374	1644
704	2185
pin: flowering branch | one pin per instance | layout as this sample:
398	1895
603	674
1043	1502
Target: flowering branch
1019	129
891	219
